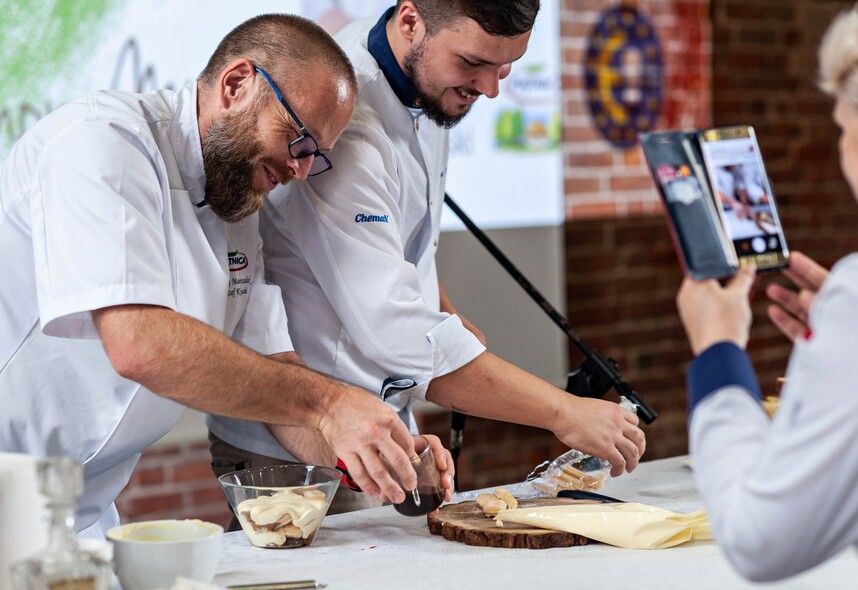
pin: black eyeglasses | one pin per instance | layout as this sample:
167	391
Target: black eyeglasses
305	145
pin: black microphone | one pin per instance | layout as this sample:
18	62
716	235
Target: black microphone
457	431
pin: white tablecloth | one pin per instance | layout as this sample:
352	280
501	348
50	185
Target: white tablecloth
379	549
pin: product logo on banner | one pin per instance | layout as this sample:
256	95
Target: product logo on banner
531	122
624	75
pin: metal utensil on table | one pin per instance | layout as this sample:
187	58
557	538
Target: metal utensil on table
585	495
295	585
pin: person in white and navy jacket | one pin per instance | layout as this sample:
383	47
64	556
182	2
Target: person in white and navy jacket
353	250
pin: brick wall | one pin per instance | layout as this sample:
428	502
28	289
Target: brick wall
792	117
766	76
601	181
622	273
174	481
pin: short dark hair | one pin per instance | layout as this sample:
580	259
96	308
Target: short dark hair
506	18
285	45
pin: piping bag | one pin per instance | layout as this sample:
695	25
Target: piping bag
629	525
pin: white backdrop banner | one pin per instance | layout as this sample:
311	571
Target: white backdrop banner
506	164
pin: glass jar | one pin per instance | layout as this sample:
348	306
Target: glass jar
61	565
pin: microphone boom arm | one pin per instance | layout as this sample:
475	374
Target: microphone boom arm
596	374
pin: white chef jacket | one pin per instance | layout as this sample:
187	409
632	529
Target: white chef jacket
783	495
101	207
353	249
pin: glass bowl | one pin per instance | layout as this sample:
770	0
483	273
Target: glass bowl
281	506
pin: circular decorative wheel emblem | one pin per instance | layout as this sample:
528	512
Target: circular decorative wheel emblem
624	75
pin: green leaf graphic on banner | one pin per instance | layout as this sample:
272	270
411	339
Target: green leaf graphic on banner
509	129
41	41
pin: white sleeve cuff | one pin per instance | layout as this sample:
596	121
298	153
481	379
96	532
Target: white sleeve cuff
453	346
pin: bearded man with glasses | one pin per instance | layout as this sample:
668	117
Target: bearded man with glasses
129	223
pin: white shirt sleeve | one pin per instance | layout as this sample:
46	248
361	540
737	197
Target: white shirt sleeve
361	266
781	495
97	219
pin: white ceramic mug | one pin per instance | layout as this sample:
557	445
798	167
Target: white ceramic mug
23	531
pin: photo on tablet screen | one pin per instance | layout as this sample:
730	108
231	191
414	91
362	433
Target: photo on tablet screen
740	184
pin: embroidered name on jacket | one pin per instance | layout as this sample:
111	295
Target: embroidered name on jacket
361	218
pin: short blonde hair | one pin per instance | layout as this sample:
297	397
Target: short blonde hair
838	58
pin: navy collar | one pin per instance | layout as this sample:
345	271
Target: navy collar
379	48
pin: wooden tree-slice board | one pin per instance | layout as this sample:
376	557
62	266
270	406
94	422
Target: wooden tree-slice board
464	522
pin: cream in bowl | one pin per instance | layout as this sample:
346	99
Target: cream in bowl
290	516
281	506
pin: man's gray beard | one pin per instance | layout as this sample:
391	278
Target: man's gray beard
229	149
430	106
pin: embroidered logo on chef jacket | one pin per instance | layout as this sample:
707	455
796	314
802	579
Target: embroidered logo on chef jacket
361	218
239	284
237	261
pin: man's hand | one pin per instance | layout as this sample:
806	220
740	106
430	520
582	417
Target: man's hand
790	309
492	388
306	443
602	429
711	313
187	361
362	429
314	450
